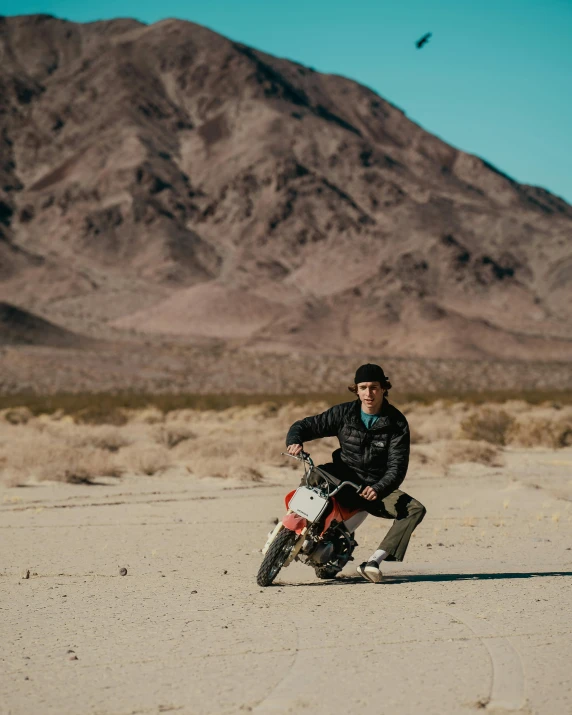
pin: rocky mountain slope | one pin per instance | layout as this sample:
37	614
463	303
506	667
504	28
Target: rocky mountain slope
163	180
18	327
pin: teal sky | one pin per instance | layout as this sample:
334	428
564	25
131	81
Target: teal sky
495	79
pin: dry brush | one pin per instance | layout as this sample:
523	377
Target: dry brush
244	441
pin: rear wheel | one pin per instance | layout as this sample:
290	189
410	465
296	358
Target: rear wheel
326	572
276	556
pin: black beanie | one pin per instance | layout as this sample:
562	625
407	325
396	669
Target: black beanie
370	373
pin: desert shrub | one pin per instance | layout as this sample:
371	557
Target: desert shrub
58	462
77	467
292	411
183	416
244	449
102	437
237	469
487	425
146	460
226	449
441	455
149	416
215	450
430	423
171	435
471	451
259	412
17	415
552	429
422	456
219	467
417	436
516	407
245	472
101	415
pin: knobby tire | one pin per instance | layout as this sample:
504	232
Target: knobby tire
276	556
326	572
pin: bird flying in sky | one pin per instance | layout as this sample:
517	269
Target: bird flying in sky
419	44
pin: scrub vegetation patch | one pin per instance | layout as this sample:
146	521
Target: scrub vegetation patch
244	440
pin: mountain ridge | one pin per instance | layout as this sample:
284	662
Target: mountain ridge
157	180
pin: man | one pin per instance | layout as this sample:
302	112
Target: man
374	452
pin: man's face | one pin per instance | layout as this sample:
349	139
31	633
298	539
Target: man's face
371	396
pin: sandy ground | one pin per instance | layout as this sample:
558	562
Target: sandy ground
478	617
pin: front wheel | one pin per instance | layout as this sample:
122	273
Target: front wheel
276	556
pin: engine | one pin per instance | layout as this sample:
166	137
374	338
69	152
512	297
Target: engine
322	553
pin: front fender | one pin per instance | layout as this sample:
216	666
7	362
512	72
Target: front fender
294	522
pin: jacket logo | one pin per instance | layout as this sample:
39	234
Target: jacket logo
378	444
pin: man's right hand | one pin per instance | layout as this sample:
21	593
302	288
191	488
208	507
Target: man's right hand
294	449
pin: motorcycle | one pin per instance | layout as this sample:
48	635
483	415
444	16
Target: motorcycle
316	530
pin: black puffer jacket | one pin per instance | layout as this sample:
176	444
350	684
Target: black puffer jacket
378	456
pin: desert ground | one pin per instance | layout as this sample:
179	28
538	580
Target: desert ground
477	617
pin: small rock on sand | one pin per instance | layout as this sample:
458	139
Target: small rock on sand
123	572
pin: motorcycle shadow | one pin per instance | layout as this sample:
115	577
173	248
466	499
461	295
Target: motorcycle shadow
420	578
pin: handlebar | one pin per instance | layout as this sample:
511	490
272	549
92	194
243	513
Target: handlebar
301	457
357	487
305	457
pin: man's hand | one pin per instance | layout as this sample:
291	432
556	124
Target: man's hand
369	494
294	449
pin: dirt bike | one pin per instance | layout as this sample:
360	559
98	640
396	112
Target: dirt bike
316	530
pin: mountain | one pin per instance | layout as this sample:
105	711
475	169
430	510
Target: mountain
19	327
164	183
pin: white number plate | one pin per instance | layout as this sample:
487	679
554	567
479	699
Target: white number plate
308	504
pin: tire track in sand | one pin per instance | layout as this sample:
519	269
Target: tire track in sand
507	691
268	703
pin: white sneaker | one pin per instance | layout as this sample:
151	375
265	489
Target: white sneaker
370	571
